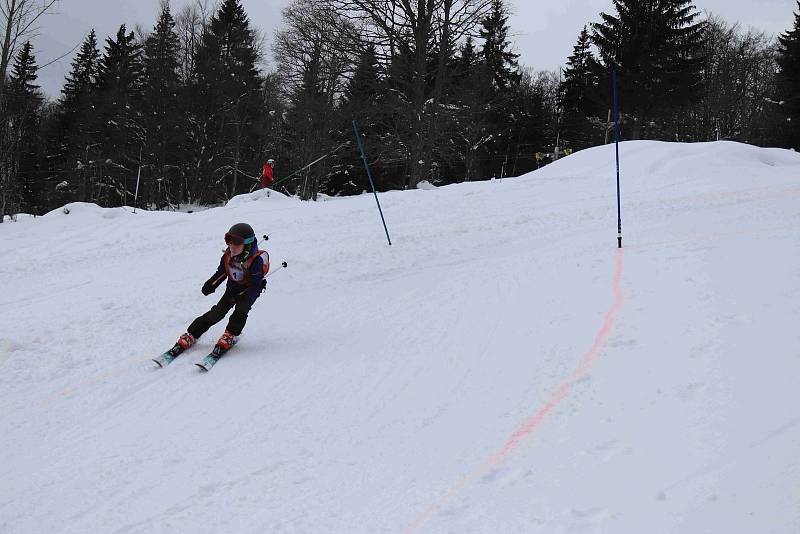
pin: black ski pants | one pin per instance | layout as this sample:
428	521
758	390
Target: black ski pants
218	312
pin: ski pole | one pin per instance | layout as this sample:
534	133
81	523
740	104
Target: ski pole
283	265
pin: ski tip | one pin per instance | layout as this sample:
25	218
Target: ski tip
202	367
158	364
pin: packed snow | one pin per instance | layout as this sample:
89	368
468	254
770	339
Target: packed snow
502	367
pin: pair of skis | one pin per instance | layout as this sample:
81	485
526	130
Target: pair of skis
205	364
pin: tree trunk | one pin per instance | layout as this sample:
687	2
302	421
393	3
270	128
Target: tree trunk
237	149
5	52
419	77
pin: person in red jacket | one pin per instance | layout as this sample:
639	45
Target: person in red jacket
266	174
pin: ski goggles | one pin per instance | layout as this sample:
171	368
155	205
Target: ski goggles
231	239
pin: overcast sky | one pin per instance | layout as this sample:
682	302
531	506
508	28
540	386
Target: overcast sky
544	31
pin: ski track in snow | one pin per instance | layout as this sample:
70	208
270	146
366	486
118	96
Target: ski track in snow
370	379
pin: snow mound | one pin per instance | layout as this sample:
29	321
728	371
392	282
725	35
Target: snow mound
656	159
260	195
88	209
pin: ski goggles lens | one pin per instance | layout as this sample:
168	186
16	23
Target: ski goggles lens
231	239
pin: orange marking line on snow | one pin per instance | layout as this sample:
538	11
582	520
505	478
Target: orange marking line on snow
95	379
533	422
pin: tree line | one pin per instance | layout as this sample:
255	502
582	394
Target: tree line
187	112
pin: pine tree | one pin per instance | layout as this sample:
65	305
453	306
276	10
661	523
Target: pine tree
499	69
84	72
361	101
363	88
225	99
309	118
73	135
464	63
78	93
579	91
161	107
656	48
23	75
120	68
21	154
118	120
789	80
534	126
501	62
471	91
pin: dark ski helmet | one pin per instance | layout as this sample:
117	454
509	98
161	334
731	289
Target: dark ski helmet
240	234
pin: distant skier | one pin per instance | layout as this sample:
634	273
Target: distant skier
244	267
266	174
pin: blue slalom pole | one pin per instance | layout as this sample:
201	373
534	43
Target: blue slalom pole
616	141
371	183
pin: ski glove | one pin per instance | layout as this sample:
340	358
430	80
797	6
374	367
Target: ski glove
208	288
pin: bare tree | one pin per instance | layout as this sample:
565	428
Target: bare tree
18	19
315	51
407	34
190	24
739	79
315	37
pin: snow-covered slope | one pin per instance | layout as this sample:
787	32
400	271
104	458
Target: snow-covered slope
501	368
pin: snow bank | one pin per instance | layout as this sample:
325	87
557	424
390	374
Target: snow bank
260	195
653	159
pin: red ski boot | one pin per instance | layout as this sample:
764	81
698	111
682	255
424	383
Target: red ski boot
186	340
226	341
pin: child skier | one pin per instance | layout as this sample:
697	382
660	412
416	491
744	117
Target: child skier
244	267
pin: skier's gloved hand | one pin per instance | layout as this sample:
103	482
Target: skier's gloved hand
208	288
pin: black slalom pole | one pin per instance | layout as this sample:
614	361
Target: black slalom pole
369	175
616	141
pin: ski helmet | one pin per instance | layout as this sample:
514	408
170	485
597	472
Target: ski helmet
271	162
240	233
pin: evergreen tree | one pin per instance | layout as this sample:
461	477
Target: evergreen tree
83	76
78	94
533	128
161	109
361	101
471	90
73	135
225	98
363	88
120	70
309	119
118	121
22	154
579	91
500	71
464	63
500	60
655	46
789	80
23	76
